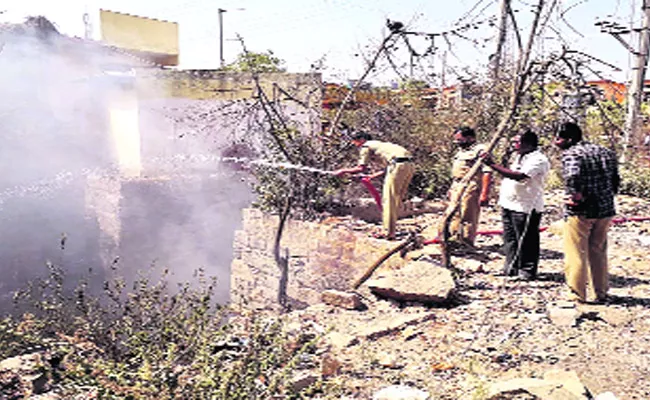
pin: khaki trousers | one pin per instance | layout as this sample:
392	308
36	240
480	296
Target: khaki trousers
396	184
585	244
465	222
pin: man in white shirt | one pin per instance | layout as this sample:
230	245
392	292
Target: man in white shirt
522	202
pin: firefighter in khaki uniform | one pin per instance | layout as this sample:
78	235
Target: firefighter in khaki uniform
464	224
399	171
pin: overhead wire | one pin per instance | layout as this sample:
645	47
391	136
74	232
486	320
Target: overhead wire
314	14
483	10
470	11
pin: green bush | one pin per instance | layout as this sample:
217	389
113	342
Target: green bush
635	180
150	342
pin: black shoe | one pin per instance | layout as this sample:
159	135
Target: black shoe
523	276
605	300
506	273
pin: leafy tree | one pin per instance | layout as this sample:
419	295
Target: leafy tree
257	62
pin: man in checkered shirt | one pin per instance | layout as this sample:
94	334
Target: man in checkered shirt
591	179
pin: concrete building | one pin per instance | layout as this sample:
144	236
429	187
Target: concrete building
111	152
609	90
149	38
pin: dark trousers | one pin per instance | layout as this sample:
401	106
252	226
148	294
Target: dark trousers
524	261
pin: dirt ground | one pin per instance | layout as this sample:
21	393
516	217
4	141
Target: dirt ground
500	329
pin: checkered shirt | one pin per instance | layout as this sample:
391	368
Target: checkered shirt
593	171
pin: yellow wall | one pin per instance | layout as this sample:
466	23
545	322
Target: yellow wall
145	35
208	84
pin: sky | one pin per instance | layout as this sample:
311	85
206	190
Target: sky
339	33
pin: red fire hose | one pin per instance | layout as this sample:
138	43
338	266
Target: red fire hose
375	195
373	191
543	228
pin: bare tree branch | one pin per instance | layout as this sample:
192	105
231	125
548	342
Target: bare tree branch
358	83
268	109
567	22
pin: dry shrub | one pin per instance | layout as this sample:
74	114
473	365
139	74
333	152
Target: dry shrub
427	132
150	342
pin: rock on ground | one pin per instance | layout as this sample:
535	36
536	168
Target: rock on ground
417	281
350	301
537	388
400	392
563	314
569	380
25	374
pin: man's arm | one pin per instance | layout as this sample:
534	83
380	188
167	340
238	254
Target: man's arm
349	171
571	173
486	183
572	181
377	174
507	172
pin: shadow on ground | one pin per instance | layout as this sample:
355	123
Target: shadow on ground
615	281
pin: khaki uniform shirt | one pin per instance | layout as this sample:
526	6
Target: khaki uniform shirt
385	151
464	159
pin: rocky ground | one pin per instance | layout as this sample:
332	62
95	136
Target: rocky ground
481	336
497	330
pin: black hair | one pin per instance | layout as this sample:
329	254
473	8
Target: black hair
465	131
361	135
570	130
529	137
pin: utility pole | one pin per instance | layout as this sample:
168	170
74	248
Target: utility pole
635	91
221	60
443	76
638	79
88	29
501	39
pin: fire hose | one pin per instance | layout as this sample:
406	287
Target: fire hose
375	195
621	220
373	191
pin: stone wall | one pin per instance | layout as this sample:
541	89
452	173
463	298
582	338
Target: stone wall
175	223
323	255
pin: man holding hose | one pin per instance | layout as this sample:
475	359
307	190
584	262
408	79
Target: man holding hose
398	173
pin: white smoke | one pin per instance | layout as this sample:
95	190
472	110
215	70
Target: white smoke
72	168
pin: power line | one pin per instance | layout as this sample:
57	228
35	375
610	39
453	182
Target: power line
471	10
